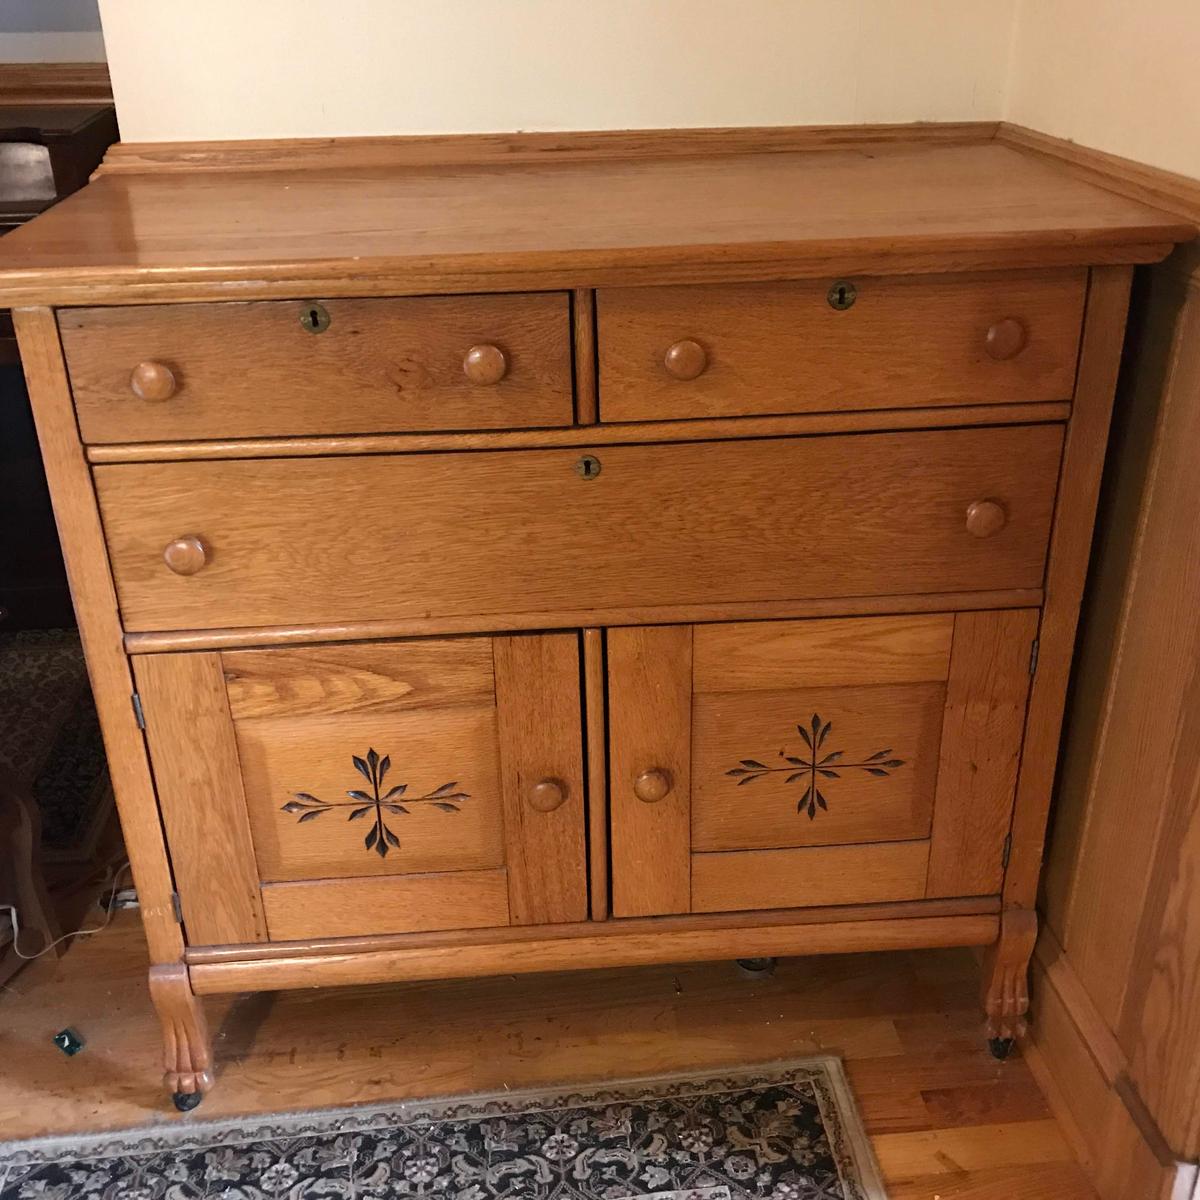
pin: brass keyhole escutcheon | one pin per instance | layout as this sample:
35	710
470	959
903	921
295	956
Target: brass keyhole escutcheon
842	295
588	467
314	317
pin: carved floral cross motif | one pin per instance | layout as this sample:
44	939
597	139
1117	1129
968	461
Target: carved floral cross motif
806	770
380	837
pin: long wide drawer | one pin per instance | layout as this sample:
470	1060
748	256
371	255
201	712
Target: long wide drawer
289	367
198	545
730	350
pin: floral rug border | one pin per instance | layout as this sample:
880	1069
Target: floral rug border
855	1159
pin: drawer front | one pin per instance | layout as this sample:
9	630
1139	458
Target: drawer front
328	540
723	351
796	763
383	787
188	371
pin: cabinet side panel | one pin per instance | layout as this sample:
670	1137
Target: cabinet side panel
1070	548
196	769
95	601
650	718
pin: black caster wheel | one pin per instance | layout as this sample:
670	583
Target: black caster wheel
756	968
186	1101
1001	1048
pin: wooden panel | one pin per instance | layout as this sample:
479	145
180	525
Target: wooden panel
95	601
782	347
198	778
649	713
326	680
298	542
541	746
616	929
837	653
313	810
1126	841
787	425
166	641
521	951
253	370
1084	1094
757	782
748	879
596	743
903	207
981	746
1066	571
330	908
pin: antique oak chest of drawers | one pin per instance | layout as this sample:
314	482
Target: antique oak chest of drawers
612	554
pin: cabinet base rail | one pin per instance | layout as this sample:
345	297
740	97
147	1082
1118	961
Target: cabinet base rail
614	944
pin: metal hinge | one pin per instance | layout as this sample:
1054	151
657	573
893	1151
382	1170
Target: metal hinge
1033	656
177	908
1007	852
139	715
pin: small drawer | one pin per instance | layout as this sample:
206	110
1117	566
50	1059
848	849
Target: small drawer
670	353
202	545
293	368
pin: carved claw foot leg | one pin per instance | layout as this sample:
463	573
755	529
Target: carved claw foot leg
1006	980
187	1047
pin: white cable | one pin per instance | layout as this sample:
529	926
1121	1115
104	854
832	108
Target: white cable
112	877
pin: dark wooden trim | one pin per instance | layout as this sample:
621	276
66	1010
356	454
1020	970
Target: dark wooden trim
55	83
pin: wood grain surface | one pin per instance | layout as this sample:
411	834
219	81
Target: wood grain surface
297	542
904	208
779	348
255	370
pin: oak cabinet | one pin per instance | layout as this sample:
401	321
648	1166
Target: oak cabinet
558	563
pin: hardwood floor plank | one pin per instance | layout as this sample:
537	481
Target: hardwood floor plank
947	1119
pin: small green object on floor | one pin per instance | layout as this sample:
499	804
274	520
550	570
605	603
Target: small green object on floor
68	1041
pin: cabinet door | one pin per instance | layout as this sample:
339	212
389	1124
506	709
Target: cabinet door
386	787
786	763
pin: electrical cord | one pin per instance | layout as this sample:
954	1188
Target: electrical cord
111	878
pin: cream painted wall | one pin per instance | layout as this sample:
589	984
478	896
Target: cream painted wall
213	69
1120	75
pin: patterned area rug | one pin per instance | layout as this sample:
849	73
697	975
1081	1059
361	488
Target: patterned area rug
783	1131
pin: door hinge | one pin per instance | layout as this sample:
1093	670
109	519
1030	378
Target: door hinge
177	908
1007	854
138	714
1033	656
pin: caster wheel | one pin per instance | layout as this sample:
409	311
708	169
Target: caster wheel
756	968
186	1101
1001	1048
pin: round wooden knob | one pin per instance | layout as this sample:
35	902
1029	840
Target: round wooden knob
547	794
651	786
152	381
686	359
985	517
186	555
1007	338
485	365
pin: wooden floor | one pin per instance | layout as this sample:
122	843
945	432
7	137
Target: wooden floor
947	1120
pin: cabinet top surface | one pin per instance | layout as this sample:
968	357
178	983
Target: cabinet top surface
180	235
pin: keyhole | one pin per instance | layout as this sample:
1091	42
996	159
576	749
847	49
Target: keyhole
315	318
841	295
588	467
